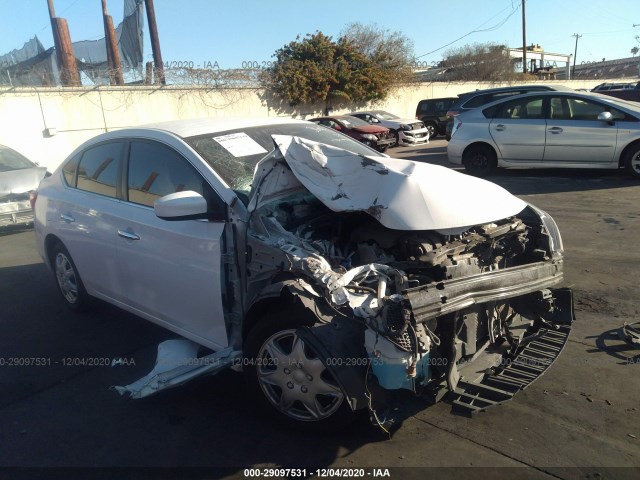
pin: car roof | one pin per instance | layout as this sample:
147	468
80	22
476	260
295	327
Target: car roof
368	111
616	102
201	126
439	99
517	87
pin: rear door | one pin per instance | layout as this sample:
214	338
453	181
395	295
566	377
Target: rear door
518	128
170	271
85	216
574	133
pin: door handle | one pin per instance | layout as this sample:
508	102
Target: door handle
67	218
128	235
554	130
500	128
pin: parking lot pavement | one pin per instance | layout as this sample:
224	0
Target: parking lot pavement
581	420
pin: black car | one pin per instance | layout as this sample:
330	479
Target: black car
478	98
433	113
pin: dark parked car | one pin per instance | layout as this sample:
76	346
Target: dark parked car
19	179
470	100
374	136
433	113
623	91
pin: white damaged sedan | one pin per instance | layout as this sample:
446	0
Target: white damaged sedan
331	276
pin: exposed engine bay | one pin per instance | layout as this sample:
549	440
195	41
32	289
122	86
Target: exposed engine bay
397	284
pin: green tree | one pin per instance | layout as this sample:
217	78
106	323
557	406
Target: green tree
318	69
391	53
488	62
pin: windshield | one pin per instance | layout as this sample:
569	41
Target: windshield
382	115
12	160
233	154
353	122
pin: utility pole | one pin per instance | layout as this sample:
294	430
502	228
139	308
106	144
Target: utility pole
155	44
524	40
69	76
113	54
575	54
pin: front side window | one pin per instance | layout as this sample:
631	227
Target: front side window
99	169
156	170
579	109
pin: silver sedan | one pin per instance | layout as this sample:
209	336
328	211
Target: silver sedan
548	129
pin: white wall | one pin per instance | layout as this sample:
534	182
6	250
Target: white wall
78	114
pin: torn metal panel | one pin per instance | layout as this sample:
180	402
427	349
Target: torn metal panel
400	194
177	363
630	333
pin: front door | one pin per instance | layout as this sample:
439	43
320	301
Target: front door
575	135
170	271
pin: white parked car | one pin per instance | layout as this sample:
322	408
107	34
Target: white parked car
408	131
332	276
19	179
548	130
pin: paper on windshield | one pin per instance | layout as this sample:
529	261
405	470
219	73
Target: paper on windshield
240	144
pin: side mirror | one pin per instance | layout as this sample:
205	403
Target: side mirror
605	117
188	205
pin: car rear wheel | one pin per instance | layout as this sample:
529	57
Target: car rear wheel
288	378
632	161
479	160
68	279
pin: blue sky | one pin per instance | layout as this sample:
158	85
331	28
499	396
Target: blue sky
231	33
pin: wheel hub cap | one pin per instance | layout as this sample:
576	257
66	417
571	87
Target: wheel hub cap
294	380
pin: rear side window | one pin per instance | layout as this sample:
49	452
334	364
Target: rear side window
99	169
156	170
69	171
527	108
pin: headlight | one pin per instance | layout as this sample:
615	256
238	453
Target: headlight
369	136
552	229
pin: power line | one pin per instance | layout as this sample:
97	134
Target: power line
490	29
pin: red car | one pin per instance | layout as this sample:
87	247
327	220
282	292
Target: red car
373	136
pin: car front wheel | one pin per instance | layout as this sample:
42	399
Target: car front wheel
632	161
288	378
479	160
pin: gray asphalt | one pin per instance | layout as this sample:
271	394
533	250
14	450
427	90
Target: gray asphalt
581	420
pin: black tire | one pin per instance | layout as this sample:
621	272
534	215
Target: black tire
479	160
632	161
432	129
397	137
279	362
68	279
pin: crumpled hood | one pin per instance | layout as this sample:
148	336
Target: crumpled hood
398	122
400	194
20	181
